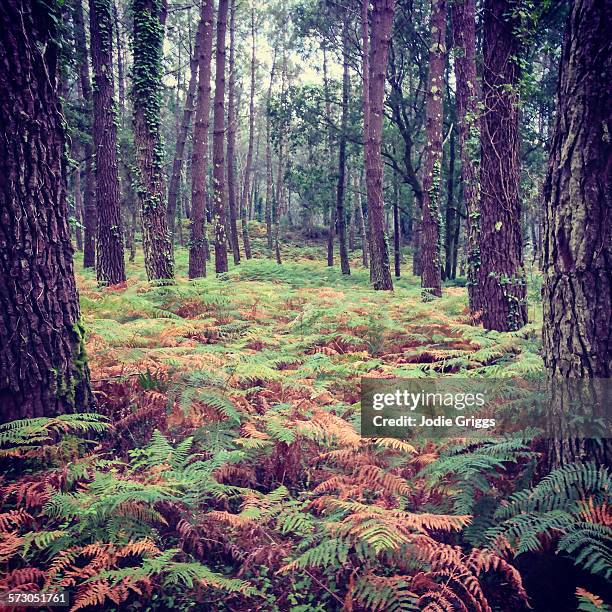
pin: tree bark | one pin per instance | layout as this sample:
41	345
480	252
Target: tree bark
340	212
43	365
110	265
382	21
181	138
577	293
231	138
198	243
501	277
468	118
431	257
89	203
248	167
149	16
219	193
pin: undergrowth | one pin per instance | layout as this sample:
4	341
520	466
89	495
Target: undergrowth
225	469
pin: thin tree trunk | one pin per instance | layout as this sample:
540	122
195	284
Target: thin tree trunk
269	187
431	255
501	277
279	207
382	21
451	211
198	243
78	208
120	70
89	200
333	211
43	365
110	268
181	138
458	214
246	241
397	239
468	117
365	250
149	17
340	212
219	192
231	138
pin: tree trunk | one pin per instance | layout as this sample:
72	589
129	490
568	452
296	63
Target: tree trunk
340	212
78	209
397	239
451	210
219	193
431	257
231	138
269	186
246	241
120	70
577	289
43	366
89	204
110	265
148	43
198	242
365	250
382	21
501	277
181	137
333	211
280	183
577	245
467	103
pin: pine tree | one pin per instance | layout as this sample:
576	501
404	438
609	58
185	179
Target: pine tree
149	18
501	277
110	266
43	366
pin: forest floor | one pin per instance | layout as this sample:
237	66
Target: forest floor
228	472
299	328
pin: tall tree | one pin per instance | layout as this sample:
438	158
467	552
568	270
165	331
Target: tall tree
198	242
340	212
219	192
468	111
332	221
149	17
231	138
431	262
269	169
89	203
181	137
382	21
248	166
577	294
110	268
501	277
43	366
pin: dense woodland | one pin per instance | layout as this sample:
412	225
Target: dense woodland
216	217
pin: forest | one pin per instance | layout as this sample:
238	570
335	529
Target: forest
224	224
